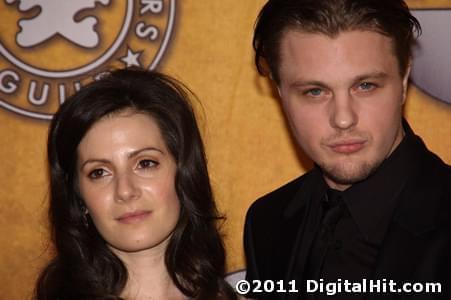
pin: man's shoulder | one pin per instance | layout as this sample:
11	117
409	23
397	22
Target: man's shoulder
429	161
432	159
275	202
427	195
441	182
435	172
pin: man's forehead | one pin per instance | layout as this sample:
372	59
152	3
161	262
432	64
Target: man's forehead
350	54
306	44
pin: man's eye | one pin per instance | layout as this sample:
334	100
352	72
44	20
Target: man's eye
366	86
97	173
313	92
147	163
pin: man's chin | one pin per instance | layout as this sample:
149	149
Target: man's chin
349	174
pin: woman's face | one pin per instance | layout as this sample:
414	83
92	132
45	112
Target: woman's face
126	178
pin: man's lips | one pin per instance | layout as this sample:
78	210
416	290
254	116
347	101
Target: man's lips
347	146
133	217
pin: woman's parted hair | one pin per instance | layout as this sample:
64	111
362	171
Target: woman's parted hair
84	267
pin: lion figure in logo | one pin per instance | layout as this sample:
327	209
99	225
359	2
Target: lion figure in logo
57	17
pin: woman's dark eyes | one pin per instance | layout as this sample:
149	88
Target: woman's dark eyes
97	173
142	164
147	163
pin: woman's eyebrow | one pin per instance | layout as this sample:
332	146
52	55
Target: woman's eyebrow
94	160
136	152
129	155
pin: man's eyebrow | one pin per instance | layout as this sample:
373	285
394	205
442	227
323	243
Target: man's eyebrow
303	83
374	75
129	155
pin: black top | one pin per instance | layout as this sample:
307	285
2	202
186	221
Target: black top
389	228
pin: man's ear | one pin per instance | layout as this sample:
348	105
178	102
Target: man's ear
405	81
278	90
271	77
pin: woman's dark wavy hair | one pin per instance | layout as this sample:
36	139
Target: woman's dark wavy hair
84	267
330	17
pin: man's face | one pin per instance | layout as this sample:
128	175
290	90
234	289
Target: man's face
343	99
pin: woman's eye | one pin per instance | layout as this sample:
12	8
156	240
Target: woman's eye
147	163
97	173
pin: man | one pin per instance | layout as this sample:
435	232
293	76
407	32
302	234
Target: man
377	204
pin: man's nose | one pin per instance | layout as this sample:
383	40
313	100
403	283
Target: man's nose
343	112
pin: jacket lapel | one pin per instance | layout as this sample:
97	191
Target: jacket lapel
301	215
406	239
398	257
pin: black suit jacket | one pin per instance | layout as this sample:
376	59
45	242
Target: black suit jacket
416	247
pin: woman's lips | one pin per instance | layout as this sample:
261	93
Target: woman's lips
134	217
347	147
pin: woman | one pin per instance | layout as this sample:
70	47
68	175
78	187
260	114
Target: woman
131	207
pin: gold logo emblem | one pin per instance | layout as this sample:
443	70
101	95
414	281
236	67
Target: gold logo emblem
50	48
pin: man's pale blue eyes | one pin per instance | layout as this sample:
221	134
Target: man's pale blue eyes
366	86
318	92
314	92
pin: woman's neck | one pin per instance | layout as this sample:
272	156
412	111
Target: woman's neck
148	277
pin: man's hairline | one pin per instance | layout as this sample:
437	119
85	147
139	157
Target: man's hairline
362	28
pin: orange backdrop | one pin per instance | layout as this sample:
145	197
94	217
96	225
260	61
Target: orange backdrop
249	149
